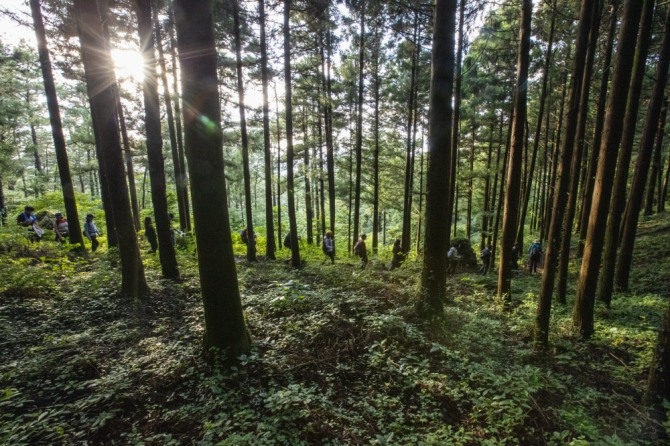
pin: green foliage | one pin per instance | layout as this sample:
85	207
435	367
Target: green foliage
339	358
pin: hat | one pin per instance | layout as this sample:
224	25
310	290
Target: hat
58	215
89	217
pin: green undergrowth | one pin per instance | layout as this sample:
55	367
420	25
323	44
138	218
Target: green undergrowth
339	358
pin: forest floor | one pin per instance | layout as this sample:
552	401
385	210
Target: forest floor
339	357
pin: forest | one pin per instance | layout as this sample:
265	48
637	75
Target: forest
351	222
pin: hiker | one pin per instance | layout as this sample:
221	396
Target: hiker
486	259
150	234
91	232
398	256
61	228
515	256
328	247
27	219
244	235
361	250
535	252
452	258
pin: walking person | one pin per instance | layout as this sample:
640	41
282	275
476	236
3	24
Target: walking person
91	232
361	250
452	258
486	259
27	219
535	252
328	247
398	255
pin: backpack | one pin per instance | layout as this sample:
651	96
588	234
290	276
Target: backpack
287	241
535	251
486	253
358	249
244	237
324	248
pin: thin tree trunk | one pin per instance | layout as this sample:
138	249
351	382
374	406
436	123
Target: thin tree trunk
634	204
251	243
75	233
654	173
538	127
309	209
359	124
295	247
265	75
618	201
577	158
511	211
152	124
174	148
375	162
128	156
586	26
587	192
582	316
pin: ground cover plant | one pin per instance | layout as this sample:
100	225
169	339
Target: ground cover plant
339	357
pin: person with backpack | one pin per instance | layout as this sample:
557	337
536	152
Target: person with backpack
150	234
535	252
398	255
361	250
61	228
486	259
27	219
91	232
452	259
328	247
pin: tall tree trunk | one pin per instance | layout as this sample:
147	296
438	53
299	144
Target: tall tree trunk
468	215
664	187
152	126
225	330
181	189
75	233
265	75
538	127
251	243
330	157
183	181
375	162
407	204
290	191
309	208
452	200
587	191
511	212
100	85
586	26
577	158
654	173
634	204
618	201
128	156
280	232
434	273
582	316
359	123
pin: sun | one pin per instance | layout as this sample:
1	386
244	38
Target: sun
128	65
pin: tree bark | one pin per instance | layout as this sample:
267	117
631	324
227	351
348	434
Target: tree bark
180	188
152	127
225	330
290	191
511	210
618	201
248	208
100	84
582	316
587	190
586	26
265	75
75	232
440	144
635	197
